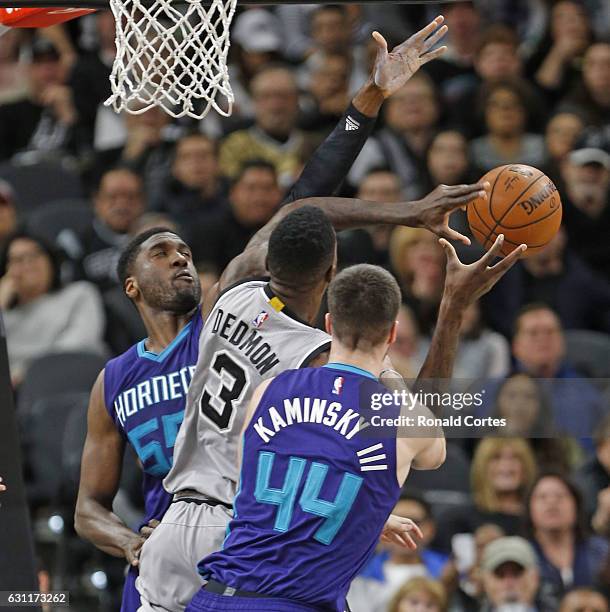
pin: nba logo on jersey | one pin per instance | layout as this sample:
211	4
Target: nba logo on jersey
260	319
338	385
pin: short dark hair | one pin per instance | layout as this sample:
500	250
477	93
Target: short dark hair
336	8
497	34
55	255
531	307
415	495
254	164
363	301
131	250
302	246
580	527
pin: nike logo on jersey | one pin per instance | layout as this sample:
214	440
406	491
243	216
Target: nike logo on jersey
351	124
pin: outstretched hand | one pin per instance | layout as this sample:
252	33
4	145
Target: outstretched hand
2	487
394	68
400	530
465	284
433	210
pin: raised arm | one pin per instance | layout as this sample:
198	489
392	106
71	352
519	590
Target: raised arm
464	284
333	159
100	476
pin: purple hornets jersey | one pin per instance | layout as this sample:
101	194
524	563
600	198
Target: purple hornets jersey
145	394
317	485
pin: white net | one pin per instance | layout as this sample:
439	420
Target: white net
175	59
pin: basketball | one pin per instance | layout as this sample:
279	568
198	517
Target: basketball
523	204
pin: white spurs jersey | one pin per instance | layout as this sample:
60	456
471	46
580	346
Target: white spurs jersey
248	337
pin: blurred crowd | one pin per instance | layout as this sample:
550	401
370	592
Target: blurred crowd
521	521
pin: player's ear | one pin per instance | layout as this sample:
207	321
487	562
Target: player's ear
393	333
328	324
131	288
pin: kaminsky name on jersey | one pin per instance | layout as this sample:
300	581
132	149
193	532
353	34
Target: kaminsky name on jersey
295	410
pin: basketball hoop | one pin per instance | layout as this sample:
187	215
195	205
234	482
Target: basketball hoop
175	59
170	53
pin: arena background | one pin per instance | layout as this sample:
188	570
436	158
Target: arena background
524	81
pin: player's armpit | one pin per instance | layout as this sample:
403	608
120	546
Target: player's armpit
252	405
319	360
100	476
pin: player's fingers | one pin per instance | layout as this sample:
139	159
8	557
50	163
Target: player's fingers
449	250
408	541
426	31
153	523
428	57
469	189
146	531
381	41
493	252
509	261
430	42
451	234
414	527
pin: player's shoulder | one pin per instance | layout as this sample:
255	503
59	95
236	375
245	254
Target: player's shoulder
250	283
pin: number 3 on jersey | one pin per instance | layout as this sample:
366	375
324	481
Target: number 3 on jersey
218	404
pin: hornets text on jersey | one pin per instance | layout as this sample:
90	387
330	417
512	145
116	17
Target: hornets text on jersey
145	394
314	492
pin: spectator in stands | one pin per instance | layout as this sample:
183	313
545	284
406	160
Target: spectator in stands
553	276
147	150
462	576
41	316
329	90
420	594
43	122
586	199
256	42
89	78
583	600
482	353
417	260
253	199
592	95
332	34
567	557
371	245
194	190
496	59
556	64
407	352
505	106
562	131
454	71
510	576
502	471
394	565
118	203
8	212
594	479
13	79
410	118
274	136
523	403
539	349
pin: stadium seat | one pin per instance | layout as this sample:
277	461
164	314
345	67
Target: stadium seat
124	326
56	373
446	487
55	217
43	436
41	182
589	352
